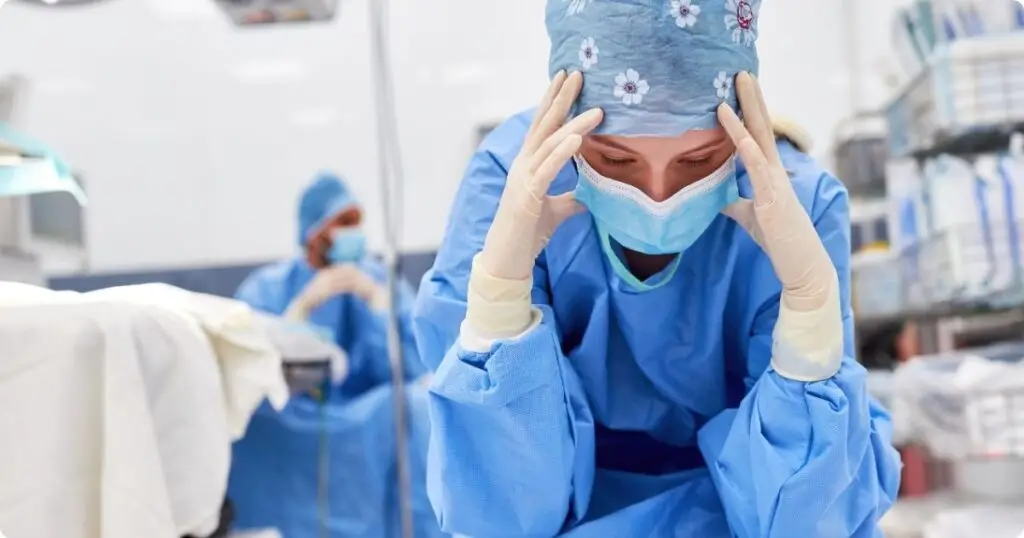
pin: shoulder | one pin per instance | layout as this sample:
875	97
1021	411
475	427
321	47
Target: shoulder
504	142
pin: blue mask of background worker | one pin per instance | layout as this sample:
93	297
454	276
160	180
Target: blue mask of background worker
624	213
348	245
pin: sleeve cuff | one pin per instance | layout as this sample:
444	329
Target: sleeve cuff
498	306
808	346
474	341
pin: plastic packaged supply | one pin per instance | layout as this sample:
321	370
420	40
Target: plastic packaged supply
998	16
907	218
910	515
876	287
969	246
1004	178
980	521
909	229
966	405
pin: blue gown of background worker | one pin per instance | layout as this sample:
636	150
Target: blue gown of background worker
653	413
275	470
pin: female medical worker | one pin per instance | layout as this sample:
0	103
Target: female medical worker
676	359
276	471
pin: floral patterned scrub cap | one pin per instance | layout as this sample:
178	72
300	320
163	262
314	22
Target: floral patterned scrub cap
656	67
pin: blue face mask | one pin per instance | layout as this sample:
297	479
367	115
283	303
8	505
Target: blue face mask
348	245
624	213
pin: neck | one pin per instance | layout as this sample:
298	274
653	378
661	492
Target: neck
644	266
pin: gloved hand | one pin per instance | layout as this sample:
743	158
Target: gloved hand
808	337
499	303
333	281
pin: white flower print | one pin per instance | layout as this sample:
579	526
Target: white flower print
723	85
588	53
685	12
741	18
576	6
630	88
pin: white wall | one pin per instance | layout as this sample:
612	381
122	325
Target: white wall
195	137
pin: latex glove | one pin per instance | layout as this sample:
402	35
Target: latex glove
808	337
333	281
499	303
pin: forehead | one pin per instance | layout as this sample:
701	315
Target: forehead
687	142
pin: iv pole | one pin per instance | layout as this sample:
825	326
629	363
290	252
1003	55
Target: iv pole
390	169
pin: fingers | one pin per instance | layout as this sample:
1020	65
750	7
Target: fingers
742	212
564	206
558	111
751	155
542	109
755	115
547	171
581	125
763	131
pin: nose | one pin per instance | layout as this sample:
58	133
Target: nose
657	186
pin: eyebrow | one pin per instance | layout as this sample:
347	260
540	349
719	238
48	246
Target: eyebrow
707	145
614	144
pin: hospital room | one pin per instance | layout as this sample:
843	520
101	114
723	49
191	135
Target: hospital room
530	269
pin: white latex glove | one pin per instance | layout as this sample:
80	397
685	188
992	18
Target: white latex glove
499	303
808	337
333	281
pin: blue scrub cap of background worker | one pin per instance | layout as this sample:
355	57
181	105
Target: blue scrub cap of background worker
323	200
655	67
28	166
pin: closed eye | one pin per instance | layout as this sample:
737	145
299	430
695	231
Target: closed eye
695	163
612	161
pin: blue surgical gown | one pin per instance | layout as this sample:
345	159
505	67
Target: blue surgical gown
276	468
653	414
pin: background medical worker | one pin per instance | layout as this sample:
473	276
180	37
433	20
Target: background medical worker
277	470
656	339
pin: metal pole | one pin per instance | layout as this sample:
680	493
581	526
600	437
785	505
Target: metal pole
853	54
390	169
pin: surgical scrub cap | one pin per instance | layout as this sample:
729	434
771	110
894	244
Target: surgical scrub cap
322	201
656	67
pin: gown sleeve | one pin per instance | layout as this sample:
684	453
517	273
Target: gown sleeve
804	458
512	441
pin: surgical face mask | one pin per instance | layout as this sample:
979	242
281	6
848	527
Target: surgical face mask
624	213
348	245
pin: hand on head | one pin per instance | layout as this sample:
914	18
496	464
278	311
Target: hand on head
527	215
775	218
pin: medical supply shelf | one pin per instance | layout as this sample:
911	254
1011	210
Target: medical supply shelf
967	100
965	270
967	86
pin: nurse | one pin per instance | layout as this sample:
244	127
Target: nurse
636	333
278	477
